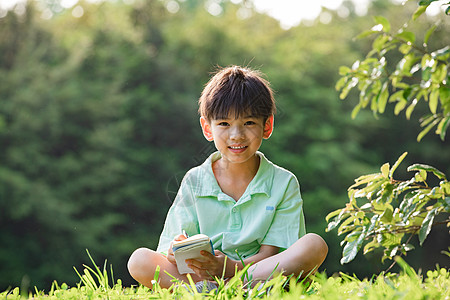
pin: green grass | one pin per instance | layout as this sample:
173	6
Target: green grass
96	284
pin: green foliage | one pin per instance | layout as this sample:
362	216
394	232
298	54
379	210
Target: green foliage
420	73
406	285
384	212
375	217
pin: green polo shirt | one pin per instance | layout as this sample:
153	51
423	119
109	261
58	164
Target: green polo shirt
270	212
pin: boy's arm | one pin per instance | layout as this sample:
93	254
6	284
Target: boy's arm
212	265
264	252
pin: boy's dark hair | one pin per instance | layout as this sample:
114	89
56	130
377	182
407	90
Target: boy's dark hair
237	90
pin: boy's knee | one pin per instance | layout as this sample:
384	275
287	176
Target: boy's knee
137	261
319	244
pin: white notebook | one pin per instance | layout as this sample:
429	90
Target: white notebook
190	248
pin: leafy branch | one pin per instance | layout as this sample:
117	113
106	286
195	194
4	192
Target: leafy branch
370	218
420	74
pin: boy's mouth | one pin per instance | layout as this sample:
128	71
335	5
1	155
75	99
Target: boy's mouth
237	149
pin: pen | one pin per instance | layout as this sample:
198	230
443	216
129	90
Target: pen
185	234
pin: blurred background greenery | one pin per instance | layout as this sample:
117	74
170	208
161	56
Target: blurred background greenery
98	123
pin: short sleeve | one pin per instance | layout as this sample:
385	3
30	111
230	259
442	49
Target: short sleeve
181	216
288	223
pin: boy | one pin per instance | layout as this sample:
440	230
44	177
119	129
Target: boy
242	201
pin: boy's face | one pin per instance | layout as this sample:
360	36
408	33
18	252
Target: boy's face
237	139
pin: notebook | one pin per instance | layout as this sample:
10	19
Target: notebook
190	248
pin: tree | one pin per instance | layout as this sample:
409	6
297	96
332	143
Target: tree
385	212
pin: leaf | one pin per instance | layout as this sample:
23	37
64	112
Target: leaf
400	106
397	96
417	167
407	36
434	97
397	163
385	170
340	83
386	217
384	22
426	225
440	52
333	213
442	127
333	224
344	70
421	176
348	86
419	11
407	269
424	121
428	34
410	109
382	98
380	42
404	48
351	248
446	204
426	2
370	246
366	33
426	130
356	110
344	224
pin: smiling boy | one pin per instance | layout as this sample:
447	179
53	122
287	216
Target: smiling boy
237	197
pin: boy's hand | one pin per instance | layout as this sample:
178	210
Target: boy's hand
209	265
170	256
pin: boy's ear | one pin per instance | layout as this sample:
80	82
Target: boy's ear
268	127
206	128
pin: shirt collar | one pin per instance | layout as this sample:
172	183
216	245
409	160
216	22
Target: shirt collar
261	183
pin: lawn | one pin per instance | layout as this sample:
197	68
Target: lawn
408	284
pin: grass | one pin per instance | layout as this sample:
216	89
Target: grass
98	284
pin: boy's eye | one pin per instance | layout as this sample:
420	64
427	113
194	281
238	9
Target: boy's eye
223	124
250	123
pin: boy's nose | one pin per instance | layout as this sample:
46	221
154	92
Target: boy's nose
236	133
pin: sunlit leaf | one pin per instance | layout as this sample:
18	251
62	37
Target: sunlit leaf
385	170
370	246
356	110
404	48
439	74
407	36
418	167
343	70
400	106
428	34
351	248
433	103
366	33
426	225
380	42
384	22
421	176
386	216
332	214
410	109
397	163
419	11
441	52
382	98
341	83
426	130
442	127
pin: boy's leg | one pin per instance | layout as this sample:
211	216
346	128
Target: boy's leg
142	265
304	256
